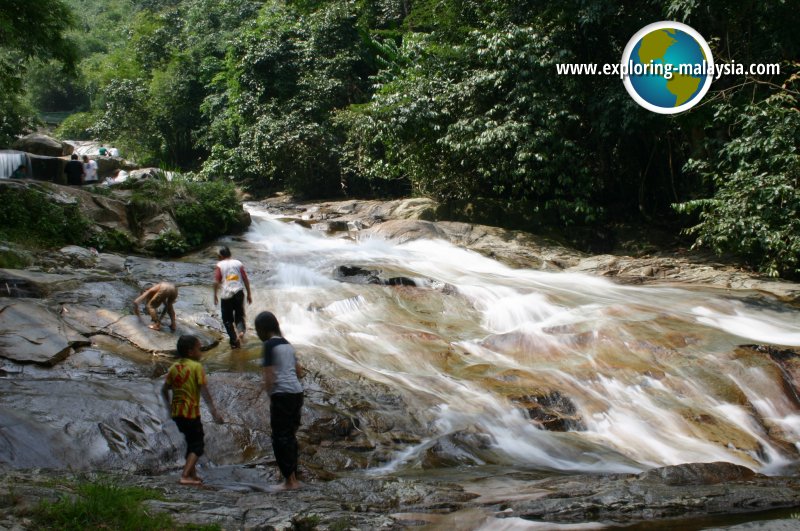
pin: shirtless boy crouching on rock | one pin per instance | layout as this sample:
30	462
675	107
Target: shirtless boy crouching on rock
163	293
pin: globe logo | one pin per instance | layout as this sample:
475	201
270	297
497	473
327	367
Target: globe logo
667	67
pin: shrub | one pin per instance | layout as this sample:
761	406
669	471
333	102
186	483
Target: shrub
76	126
102	505
755	210
105	506
30	215
111	240
211	209
169	243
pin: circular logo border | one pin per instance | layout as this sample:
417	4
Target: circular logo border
666	24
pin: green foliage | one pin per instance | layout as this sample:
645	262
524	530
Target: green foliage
212	210
76	126
458	123
341	524
126	118
285	77
454	99
169	243
27	31
755	210
113	240
31	216
203	210
50	88
103	505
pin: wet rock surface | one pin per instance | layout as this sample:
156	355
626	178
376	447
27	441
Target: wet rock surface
30	333
247	497
91	401
696	489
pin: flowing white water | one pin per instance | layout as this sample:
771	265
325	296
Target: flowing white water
653	373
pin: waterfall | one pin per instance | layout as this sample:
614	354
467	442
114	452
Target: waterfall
10	160
646	376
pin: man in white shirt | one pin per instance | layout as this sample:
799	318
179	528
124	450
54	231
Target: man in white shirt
231	279
89	170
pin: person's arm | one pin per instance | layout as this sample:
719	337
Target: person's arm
141	298
171	310
299	370
217	282
247	285
207	397
165	395
269	378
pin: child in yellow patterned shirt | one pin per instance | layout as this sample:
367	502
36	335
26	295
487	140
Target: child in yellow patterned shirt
187	380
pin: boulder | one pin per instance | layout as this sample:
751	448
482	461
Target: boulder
359	275
39	144
145	173
681	491
13	257
153	227
698	474
113	263
151	270
108	166
81	423
44	168
331	227
403	230
30	333
107	212
243	221
23	283
135	330
79	256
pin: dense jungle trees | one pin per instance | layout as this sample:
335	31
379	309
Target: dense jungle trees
455	99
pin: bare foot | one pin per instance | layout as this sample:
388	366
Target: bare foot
190	481
155	326
291	485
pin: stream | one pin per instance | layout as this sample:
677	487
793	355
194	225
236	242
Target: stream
640	377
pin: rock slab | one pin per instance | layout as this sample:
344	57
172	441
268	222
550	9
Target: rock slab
30	333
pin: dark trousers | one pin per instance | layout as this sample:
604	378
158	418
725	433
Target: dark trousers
284	416
192	430
233	315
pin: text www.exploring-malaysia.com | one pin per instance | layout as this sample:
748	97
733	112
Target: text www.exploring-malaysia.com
667	70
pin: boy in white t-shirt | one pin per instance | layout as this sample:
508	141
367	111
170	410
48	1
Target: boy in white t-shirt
231	279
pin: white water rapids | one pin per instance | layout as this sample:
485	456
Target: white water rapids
653	372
